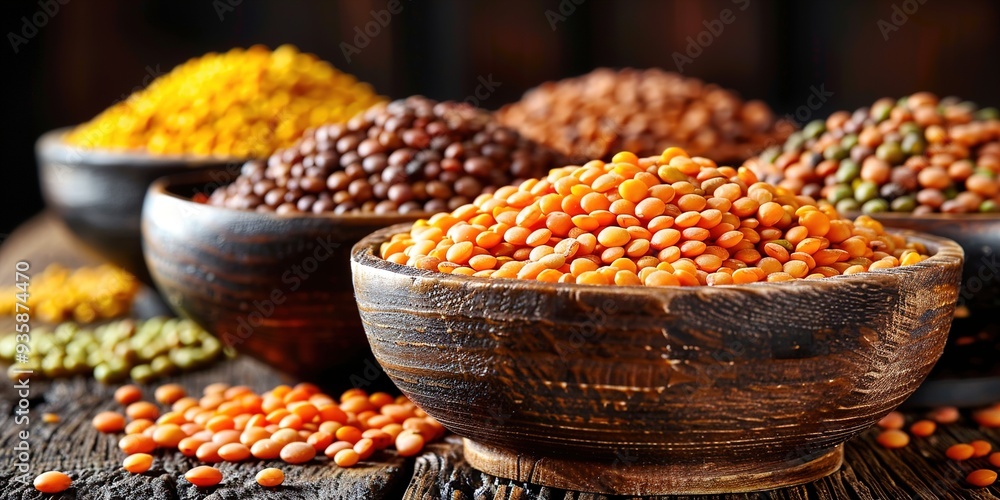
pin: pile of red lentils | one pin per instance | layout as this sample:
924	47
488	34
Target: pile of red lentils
233	424
668	220
979	450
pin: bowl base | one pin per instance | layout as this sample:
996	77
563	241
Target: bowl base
625	478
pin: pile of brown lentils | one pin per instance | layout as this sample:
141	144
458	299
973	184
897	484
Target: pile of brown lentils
411	155
669	220
918	154
643	111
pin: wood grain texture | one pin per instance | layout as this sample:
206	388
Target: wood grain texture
99	194
93	459
276	287
968	373
918	471
718	380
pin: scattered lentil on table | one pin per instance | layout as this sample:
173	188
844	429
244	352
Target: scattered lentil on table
52	482
411	155
643	111
84	295
245	103
660	221
293	424
918	154
140	350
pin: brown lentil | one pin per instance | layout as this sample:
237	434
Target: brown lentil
594	249
644	111
411	155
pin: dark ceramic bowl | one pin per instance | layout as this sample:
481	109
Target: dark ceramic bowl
98	193
968	373
276	287
643	391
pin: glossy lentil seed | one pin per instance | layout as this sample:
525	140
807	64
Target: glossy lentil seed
768	220
138	463
204	476
981	478
270	477
52	482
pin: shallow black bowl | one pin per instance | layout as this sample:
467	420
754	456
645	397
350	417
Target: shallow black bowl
99	193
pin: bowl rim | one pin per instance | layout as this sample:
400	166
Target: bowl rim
946	253
162	187
51	146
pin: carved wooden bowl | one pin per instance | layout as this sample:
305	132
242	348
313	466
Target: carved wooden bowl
99	193
276	287
643	391
968	373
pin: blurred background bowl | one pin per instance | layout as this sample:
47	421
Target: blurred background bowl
276	287
98	193
641	391
968	373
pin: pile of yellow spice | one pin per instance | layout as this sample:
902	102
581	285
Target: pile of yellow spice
240	104
84	295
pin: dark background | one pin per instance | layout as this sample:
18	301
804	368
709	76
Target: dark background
92	53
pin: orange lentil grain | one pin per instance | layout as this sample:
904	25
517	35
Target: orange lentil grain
893	439
960	452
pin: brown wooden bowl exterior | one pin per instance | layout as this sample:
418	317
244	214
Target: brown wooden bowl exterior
99	193
276	287
703	376
968	374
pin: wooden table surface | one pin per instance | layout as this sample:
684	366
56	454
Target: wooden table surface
93	460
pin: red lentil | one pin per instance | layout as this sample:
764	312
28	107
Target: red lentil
945	415
128	394
52	482
270	477
109	421
893	439
138	463
204	476
981	478
923	428
960	452
981	448
606	247
169	394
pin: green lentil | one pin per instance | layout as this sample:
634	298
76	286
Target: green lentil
142	350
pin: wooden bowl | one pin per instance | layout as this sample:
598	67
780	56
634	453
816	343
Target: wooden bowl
98	193
968	373
276	287
650	391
